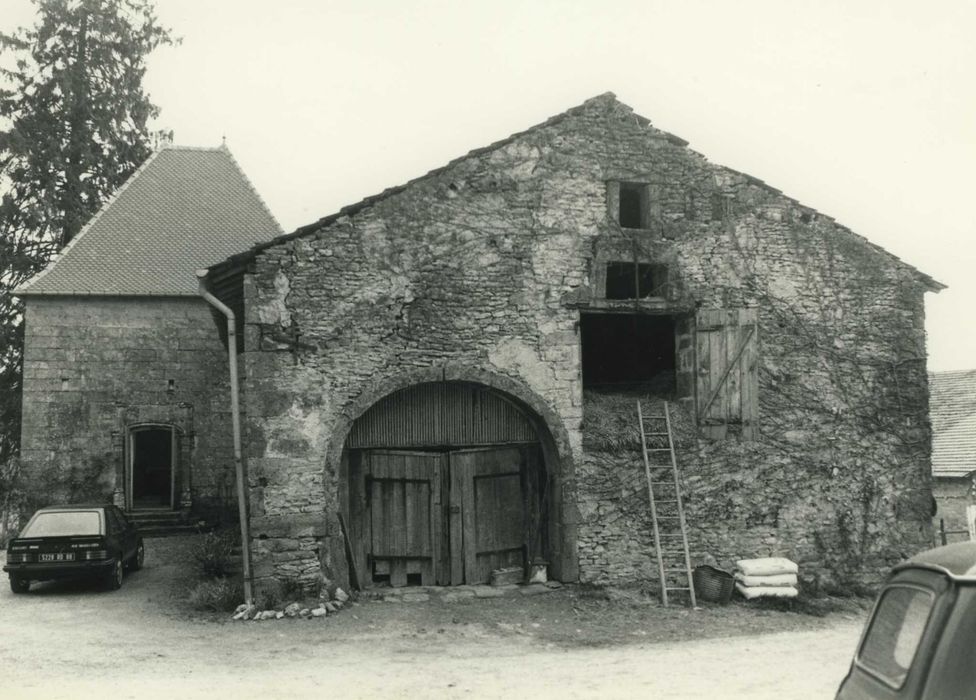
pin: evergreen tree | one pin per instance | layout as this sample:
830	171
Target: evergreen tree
73	127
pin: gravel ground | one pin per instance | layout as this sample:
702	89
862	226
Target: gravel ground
73	640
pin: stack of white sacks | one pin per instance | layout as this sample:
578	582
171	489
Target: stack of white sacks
773	577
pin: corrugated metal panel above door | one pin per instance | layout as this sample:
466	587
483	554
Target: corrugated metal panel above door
448	414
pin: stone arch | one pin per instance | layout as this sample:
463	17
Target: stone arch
553	437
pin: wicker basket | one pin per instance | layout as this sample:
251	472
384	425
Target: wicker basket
713	585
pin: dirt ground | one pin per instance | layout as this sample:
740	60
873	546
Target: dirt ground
71	640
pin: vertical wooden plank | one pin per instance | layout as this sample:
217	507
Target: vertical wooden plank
356	522
377	524
750	378
718	413
457	487
470	518
398	573
703	368
437	573
734	335
399	515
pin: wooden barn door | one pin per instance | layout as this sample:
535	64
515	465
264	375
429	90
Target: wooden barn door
403	506
494	510
448	518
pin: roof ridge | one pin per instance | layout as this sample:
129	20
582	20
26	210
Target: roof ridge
247	181
175	147
24	286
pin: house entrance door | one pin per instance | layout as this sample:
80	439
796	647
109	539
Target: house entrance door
450	517
152	454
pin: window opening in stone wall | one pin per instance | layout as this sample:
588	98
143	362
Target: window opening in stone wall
632	205
627	357
628	351
629	280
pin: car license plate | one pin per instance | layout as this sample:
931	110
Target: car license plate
58	556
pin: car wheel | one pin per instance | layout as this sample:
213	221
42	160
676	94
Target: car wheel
138	557
113	581
18	584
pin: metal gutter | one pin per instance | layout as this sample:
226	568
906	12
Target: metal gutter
235	412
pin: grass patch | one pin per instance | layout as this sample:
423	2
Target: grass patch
216	595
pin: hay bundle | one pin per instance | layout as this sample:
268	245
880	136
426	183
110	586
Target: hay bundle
610	420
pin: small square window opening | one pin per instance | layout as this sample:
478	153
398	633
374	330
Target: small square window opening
627	280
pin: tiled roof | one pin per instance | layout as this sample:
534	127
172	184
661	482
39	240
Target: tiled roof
608	100
952	410
182	210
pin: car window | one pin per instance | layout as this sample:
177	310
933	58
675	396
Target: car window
64	523
896	629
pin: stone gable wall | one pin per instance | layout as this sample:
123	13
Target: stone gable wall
483	265
94	366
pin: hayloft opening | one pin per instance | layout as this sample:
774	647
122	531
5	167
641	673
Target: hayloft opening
632	205
628	351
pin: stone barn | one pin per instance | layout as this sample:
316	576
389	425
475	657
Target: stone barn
441	380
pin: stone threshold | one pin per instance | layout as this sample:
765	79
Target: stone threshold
454	594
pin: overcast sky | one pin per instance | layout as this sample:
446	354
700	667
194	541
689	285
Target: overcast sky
862	109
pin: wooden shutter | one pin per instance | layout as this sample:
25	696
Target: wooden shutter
726	355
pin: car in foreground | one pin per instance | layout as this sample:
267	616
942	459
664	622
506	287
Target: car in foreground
918	642
68	541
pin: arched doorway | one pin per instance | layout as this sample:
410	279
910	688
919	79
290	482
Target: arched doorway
444	482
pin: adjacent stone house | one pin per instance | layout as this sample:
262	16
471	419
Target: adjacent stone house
953	413
441	380
126	392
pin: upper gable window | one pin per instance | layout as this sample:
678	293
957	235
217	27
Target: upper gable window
628	280
631	205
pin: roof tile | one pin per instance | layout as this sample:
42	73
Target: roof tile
952	409
182	210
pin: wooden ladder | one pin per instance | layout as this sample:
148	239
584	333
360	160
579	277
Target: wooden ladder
664	489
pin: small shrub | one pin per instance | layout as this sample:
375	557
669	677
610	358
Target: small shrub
292	590
269	597
217	595
212	554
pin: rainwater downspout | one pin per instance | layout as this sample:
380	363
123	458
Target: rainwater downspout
235	412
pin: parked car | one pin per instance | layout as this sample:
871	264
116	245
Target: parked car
919	641
74	541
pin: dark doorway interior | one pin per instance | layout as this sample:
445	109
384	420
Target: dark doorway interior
152	468
628	350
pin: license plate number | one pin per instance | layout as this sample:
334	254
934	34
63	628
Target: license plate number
58	556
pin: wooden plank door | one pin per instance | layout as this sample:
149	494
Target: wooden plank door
488	508
404	514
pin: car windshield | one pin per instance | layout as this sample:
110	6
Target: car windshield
63	523
895	632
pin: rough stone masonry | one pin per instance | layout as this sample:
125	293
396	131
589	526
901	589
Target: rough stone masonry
481	270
